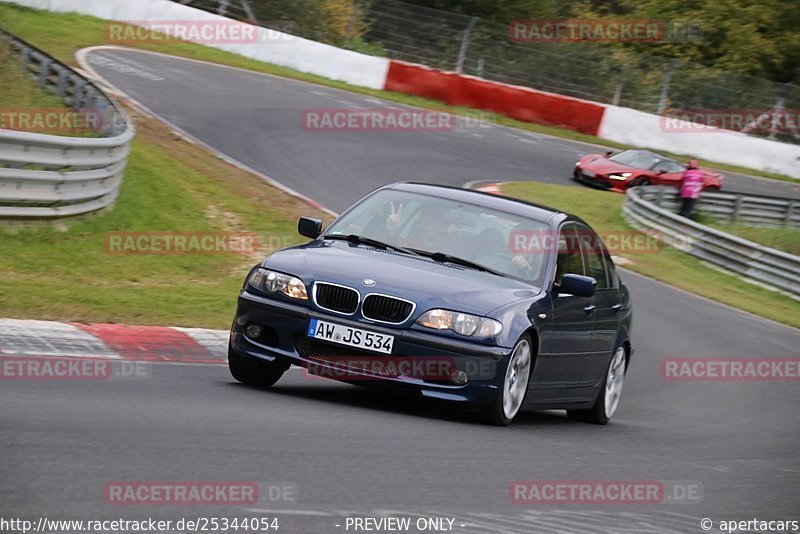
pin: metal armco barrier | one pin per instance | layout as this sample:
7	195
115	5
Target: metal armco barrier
47	176
750	260
752	210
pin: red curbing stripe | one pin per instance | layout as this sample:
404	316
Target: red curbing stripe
493	189
150	343
521	103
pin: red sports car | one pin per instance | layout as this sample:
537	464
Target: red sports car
637	167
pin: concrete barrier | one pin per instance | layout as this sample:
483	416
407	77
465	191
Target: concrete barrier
271	46
521	103
646	130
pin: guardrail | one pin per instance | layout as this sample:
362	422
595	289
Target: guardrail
754	210
48	176
750	260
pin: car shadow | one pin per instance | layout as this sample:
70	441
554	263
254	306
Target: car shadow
402	403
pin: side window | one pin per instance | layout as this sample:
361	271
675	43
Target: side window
613	279
593	254
569	258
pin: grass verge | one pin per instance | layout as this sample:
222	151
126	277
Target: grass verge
68	33
785	239
602	210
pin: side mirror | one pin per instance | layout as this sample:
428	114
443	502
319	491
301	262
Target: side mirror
660	172
609	153
575	284
309	227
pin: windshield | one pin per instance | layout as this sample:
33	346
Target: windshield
487	237
669	165
640	159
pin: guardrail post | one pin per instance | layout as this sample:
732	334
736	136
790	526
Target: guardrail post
737	206
660	197
789	211
61	89
25	57
78	94
44	71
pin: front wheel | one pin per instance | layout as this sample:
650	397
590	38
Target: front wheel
608	397
253	372
515	385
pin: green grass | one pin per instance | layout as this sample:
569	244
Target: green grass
601	210
20	97
64	271
785	239
67	33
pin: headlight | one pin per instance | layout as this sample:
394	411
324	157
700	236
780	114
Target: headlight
273	282
460	323
619	176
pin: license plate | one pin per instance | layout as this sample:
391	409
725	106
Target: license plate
589	174
352	337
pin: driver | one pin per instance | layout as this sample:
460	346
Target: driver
428	232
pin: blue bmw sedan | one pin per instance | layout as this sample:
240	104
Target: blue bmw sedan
457	295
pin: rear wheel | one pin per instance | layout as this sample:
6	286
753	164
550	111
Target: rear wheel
609	395
253	372
515	386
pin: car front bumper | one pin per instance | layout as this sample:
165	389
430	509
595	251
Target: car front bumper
285	341
600	181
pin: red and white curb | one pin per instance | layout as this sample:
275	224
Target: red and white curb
494	189
112	341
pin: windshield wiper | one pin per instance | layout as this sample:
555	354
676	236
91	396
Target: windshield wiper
353	238
446	258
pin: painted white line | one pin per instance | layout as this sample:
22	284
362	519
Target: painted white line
82	59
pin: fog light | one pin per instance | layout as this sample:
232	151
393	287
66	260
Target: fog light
253	331
459	378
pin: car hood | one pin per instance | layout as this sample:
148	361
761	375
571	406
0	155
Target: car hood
428	283
602	165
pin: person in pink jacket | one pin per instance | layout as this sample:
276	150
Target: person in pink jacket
691	186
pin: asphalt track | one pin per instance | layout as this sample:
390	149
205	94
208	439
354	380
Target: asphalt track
354	452
258	121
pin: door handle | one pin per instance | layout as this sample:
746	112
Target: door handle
616	307
589	308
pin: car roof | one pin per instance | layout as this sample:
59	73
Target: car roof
508	204
650	152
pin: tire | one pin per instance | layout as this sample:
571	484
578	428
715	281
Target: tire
254	373
510	399
608	398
